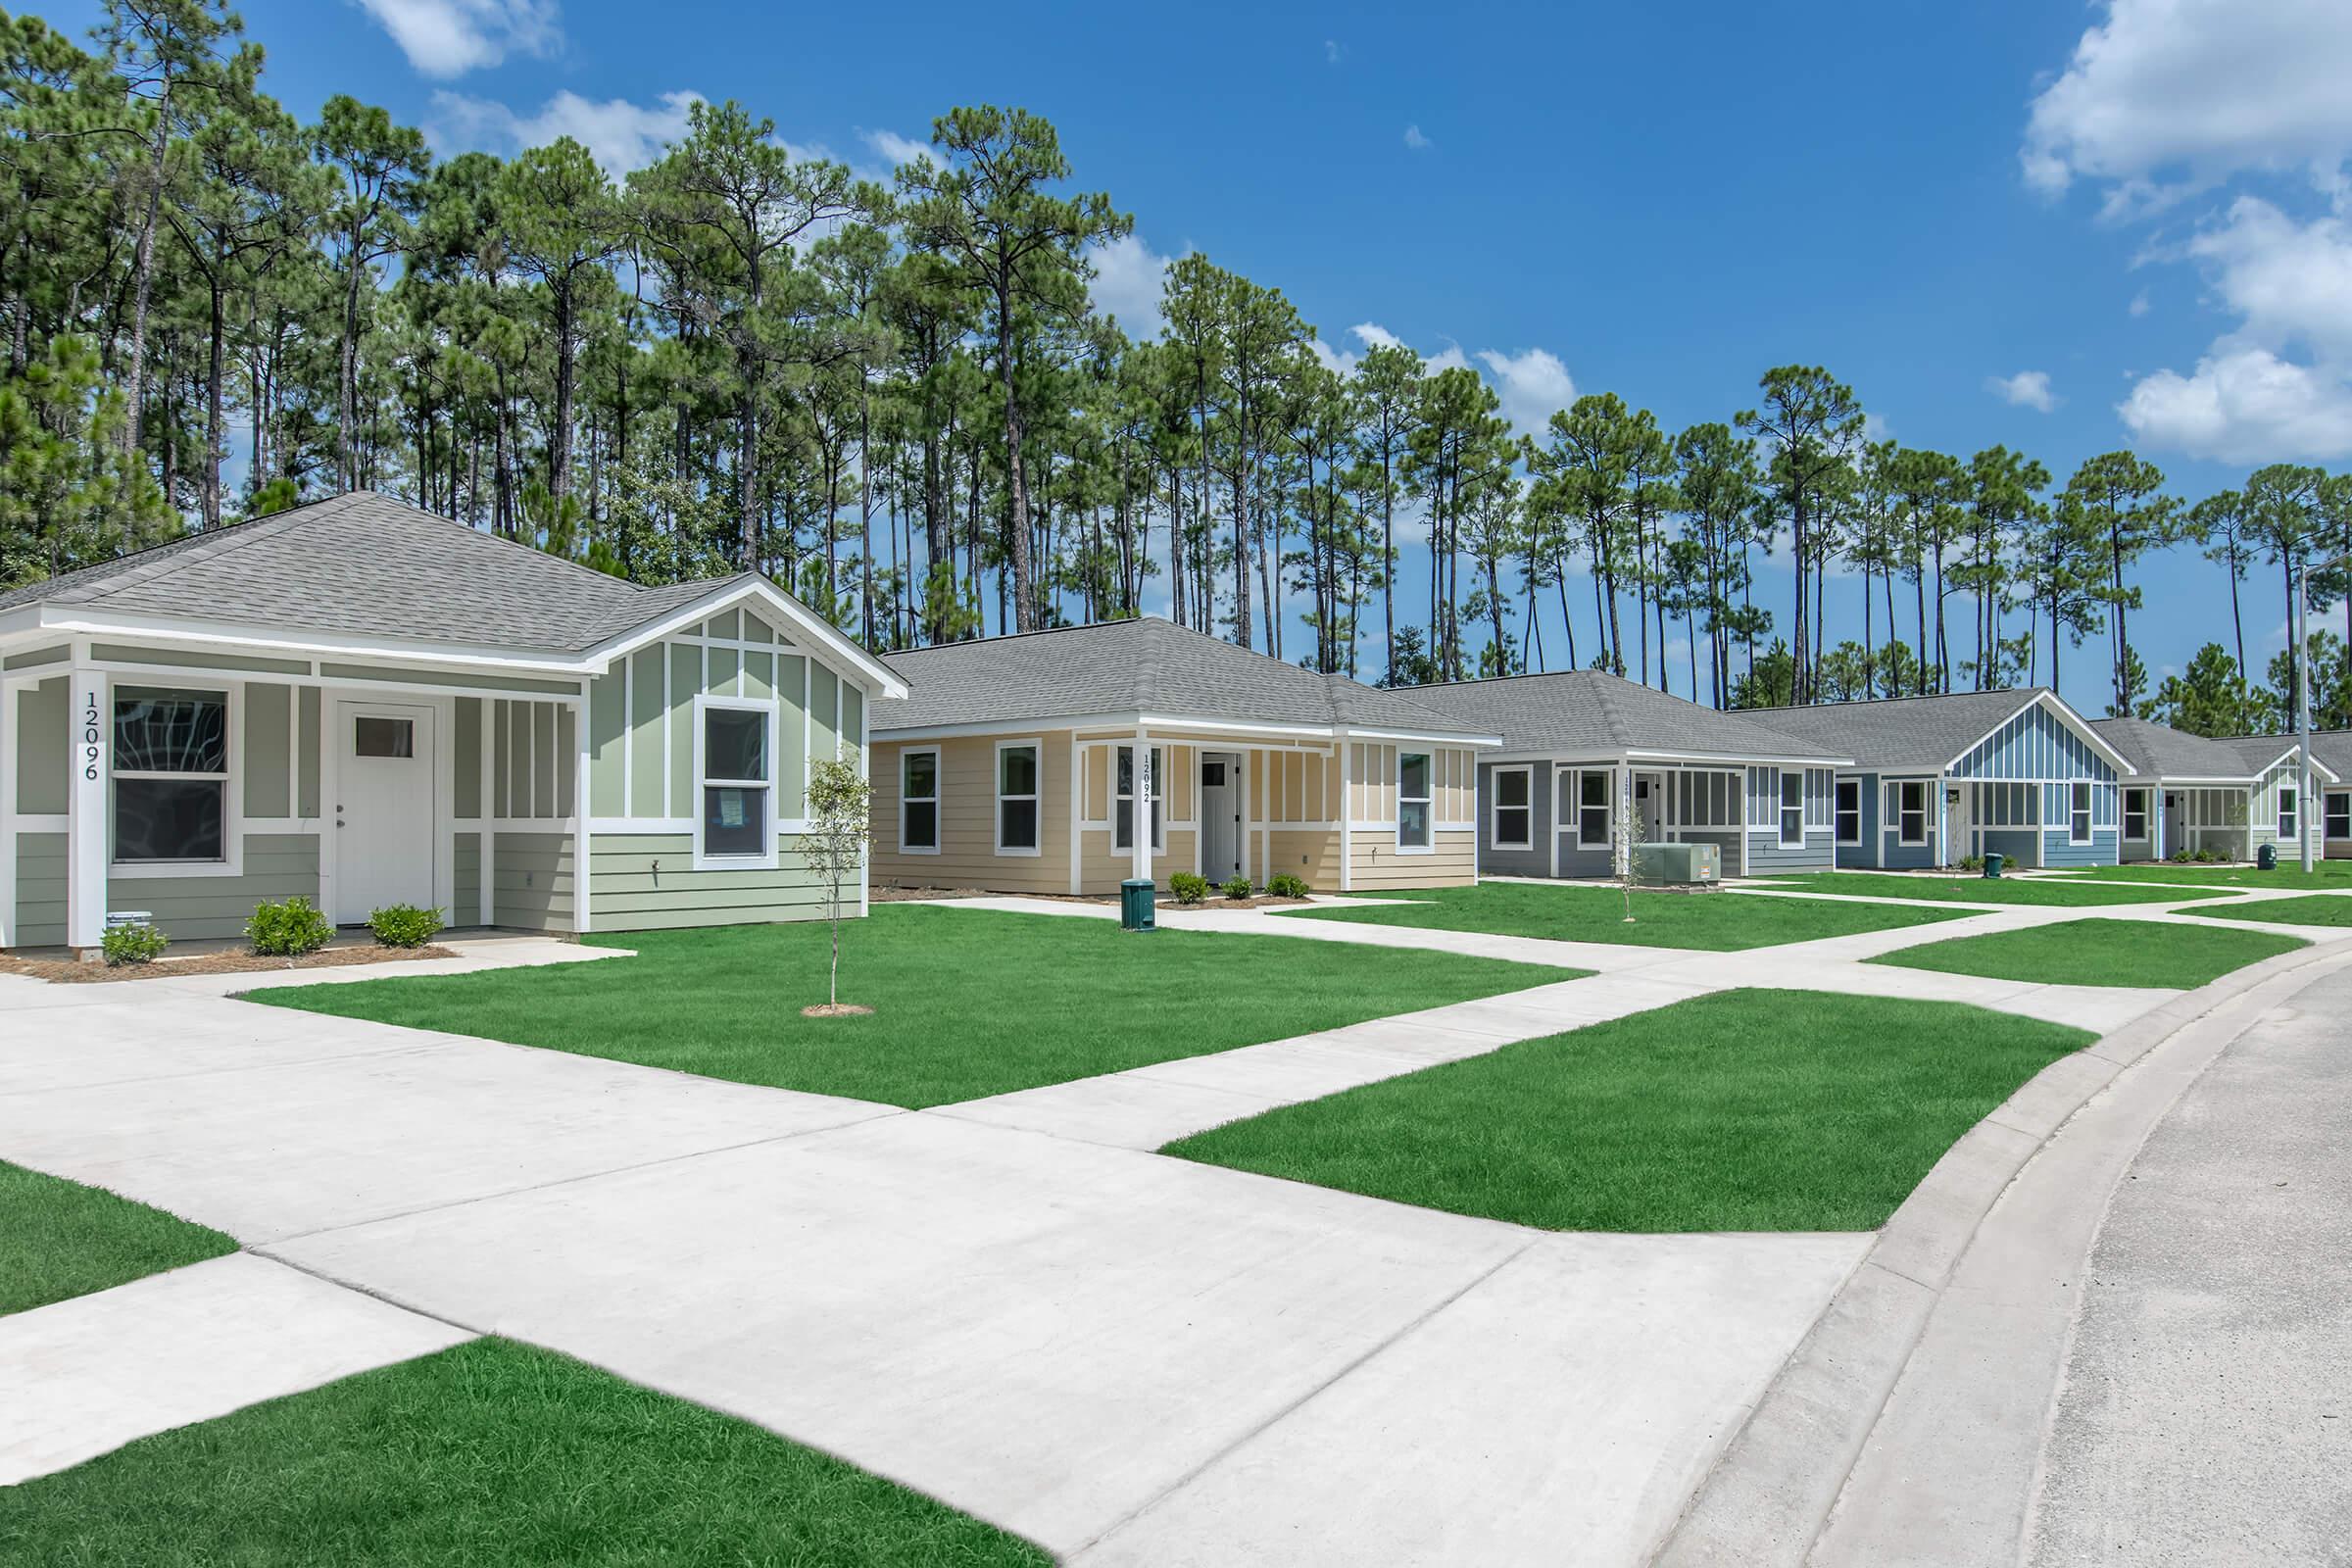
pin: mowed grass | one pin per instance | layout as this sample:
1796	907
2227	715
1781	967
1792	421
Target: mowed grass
491	1452
1720	922
2324	874
2318	910
2100	953
967	1002
1979	889
1746	1110
60	1238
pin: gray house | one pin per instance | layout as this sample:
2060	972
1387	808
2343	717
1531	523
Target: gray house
2187	793
363	703
1937	778
2276	807
1583	748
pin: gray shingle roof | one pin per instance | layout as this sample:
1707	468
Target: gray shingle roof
1903	733
2160	751
367	565
2331	749
1147	665
1592	714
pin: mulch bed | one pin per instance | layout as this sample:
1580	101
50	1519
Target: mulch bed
72	972
1220	901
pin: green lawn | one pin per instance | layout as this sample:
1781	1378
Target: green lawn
966	1003
2316	909
1746	1110
1979	889
60	1238
2324	874
1571	912
2100	953
491	1452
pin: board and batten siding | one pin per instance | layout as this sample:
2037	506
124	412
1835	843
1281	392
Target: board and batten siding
1766	854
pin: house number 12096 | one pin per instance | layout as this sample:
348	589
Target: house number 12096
91	733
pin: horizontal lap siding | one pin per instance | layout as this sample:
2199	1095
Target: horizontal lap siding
465	880
40	888
1100	869
531	881
1533	861
1453	863
1310	855
967	808
2102	850
647	881
1767	855
276	865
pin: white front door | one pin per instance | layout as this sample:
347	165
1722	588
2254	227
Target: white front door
1650	798
1220	816
384	839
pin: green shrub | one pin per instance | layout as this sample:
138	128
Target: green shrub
1189	888
1972	863
1285	886
404	925
1237	888
132	944
288	928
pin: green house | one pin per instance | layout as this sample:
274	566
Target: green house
365	704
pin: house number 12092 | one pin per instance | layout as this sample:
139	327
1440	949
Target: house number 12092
91	734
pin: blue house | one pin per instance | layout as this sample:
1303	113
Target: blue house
1936	779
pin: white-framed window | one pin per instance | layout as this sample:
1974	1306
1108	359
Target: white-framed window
1910	811
734	776
2289	813
2078	815
1849	810
1792	809
918	801
1414	800
171	776
2135	815
1592	809
1019	767
1511	818
2339	816
1122	805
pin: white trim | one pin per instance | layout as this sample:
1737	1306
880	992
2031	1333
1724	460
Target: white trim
1111	825
1895	816
1836	810
583	910
232	780
1608	830
1037	799
1081	726
1347	749
486	851
1527	771
770	830
2067	717
89	743
1781	778
750	586
12	763
1428	764
937	786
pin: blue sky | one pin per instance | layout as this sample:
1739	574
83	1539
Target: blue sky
2066	228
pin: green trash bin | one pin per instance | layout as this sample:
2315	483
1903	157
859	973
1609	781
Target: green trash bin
1136	905
2266	858
1994	863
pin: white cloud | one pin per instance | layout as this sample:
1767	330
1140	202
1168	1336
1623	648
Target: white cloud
1332	51
2243	404
1414	139
450	38
1129	277
2162	96
1533	385
900	149
621	134
1373	335
2290	281
2139	303
2027	389
1875	427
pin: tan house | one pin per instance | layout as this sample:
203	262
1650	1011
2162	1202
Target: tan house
1014	765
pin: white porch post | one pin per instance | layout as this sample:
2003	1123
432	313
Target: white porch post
1623	828
1346	813
10	764
1139	821
89	740
581	915
486	893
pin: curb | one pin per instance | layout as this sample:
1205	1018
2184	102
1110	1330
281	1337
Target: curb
1769	1496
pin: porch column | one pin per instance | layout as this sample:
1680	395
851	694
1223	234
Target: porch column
1346	813
580	915
1139	827
89	745
1621	825
486	891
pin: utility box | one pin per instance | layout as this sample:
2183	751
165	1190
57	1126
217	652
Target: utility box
1677	865
1137	908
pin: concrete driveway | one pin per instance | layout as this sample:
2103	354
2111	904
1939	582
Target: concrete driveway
1111	1352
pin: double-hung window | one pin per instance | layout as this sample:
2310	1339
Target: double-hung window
1511	820
1849	810
1911	812
1017	769
171	776
2135	815
2339	816
736	766
1122	826
2289	813
1792	809
1592	809
918	801
1413	800
2077	818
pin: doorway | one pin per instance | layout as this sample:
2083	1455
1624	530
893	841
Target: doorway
1220	815
384	790
1649	797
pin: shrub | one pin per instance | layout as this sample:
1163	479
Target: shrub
1972	863
1237	888
287	928
404	925
132	944
1285	886
1188	888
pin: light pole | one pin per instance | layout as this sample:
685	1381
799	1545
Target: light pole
2301	654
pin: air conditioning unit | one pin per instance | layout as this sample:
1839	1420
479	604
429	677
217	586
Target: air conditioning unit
1677	865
